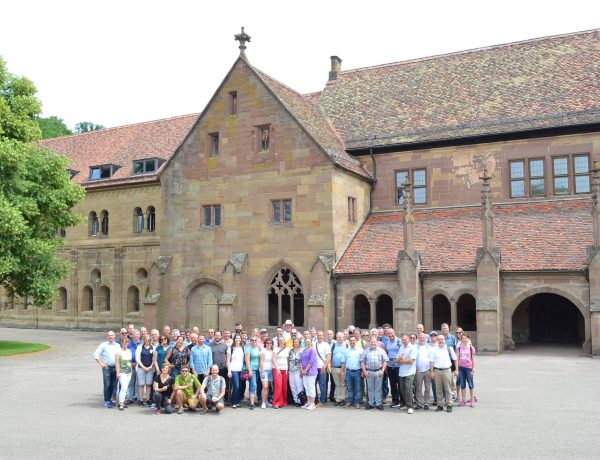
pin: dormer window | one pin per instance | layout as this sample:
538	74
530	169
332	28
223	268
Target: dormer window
148	165
102	172
72	173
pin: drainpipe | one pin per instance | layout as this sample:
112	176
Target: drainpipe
335	303
421	277
374	180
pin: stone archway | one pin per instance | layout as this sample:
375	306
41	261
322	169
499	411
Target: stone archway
441	311
203	306
466	314
384	310
547	318
362	312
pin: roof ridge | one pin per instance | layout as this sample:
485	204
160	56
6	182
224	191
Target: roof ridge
470	50
264	74
121	126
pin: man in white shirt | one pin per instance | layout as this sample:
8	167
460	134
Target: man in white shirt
441	372
407	354
423	375
105	357
323	350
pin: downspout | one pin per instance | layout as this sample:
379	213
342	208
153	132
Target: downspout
421	277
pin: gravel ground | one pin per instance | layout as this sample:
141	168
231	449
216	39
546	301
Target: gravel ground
538	402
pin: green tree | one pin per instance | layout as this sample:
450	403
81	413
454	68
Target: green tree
86	126
53	127
36	197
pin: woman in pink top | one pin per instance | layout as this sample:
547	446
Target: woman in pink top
466	368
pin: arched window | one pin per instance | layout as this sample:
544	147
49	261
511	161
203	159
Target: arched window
138	220
105	223
93	223
87	299
62	299
285	298
133	299
151	218
384	310
104	299
441	311
362	312
466	314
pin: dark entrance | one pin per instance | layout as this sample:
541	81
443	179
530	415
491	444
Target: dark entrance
441	311
384	310
466	314
547	318
362	311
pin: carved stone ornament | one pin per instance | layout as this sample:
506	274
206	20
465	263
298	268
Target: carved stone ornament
414	257
227	299
152	299
236	260
318	300
595	304
327	258
406	303
163	263
487	304
494	253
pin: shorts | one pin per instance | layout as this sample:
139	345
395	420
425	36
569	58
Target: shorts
144	377
190	400
269	376
210	403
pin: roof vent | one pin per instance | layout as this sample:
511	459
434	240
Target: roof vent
336	67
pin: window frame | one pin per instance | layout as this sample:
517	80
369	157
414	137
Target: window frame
261	145
351	209
567	175
410	174
282	214
101	168
145	162
576	174
212	208
532	178
527	178
233	103
214	145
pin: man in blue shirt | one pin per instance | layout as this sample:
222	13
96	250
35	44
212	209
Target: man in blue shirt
105	357
338	350
201	359
351	370
135	342
392	348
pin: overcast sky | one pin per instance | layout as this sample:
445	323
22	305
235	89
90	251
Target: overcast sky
116	62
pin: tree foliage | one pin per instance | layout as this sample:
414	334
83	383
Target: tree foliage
36	197
87	126
53	127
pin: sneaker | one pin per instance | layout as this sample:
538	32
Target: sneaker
180	411
140	403
394	405
472	404
449	409
368	407
153	406
251	406
462	403
304	406
121	406
425	407
357	406
310	407
269	404
347	404
410	410
439	409
157	411
263	406
108	404
380	407
434	403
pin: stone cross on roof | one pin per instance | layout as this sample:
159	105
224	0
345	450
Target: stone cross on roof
242	37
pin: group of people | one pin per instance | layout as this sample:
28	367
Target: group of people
175	370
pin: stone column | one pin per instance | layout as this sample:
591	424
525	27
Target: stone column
373	312
453	314
593	345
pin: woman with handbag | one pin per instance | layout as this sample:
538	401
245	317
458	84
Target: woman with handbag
282	354
267	366
235	365
295	371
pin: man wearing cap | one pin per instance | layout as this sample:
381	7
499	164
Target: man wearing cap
287	329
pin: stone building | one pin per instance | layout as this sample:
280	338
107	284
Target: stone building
457	188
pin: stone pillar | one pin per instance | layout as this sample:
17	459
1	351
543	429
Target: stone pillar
593	345
373	312
319	306
316	307
453	314
162	264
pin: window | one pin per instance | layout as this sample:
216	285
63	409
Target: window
87	299
62	299
93	223
419	185
571	174
151	218
282	211
212	215
133	299
104	299
72	173
105	223
233	103
264	139
527	178
351	209
101	172
214	144
145	166
285	298
138	220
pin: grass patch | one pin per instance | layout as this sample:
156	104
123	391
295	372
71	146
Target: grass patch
10	347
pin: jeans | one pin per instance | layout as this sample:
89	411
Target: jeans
374	387
160	399
254	379
109	381
407	388
223	373
354	386
465	378
236	380
332	388
322	379
132	390
385	387
392	373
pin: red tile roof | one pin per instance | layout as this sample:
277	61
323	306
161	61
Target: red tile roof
533	236
121	146
541	83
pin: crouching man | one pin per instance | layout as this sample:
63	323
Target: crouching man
212	391
185	388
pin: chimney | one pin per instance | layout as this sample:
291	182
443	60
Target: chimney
336	67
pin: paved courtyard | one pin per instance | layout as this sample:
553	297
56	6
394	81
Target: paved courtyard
537	402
